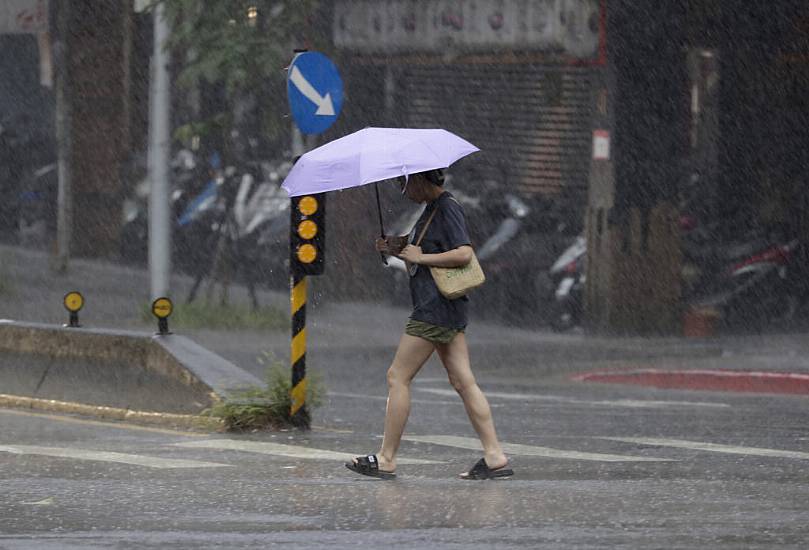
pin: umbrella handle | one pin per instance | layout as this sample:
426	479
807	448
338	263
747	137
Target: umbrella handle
381	225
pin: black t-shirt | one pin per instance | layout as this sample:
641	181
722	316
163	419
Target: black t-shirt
447	231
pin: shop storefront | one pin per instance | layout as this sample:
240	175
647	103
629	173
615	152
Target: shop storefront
513	77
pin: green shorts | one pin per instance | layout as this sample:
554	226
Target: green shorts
431	333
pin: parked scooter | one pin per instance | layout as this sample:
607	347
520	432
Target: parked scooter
508	251
261	215
566	279
757	283
28	181
248	223
753	282
187	174
36	218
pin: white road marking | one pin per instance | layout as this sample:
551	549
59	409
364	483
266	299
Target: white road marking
385	398
101	424
651	404
712	447
632	403
107	456
44	502
527	450
316	428
280	449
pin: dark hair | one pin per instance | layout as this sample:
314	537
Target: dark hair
435	177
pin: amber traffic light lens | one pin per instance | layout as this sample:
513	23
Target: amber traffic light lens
307	253
307	206
307	229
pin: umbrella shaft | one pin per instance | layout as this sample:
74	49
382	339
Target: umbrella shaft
381	225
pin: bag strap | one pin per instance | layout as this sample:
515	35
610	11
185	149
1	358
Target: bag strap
424	229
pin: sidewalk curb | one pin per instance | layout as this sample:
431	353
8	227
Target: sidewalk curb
209	378
184	421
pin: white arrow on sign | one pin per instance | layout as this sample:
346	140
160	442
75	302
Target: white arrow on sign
324	104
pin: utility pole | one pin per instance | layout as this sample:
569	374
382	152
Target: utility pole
158	160
64	213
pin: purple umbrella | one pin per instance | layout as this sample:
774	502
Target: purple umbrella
372	155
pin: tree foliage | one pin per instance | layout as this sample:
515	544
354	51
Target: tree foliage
240	48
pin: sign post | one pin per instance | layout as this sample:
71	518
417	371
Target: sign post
315	94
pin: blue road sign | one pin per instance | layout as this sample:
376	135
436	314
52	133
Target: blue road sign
314	91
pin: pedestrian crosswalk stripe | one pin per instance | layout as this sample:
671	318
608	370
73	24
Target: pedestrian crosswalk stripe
280	449
385	398
712	447
101	424
107	456
527	450
631	403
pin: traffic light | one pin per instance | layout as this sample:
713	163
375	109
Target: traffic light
308	234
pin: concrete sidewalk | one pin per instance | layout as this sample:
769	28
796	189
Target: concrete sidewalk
116	296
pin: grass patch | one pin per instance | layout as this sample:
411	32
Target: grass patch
267	408
6	287
225	317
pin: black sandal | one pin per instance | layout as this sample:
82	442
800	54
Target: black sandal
481	471
369	466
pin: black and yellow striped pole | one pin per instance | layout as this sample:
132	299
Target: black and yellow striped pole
307	248
298	412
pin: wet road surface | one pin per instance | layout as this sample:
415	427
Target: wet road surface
596	466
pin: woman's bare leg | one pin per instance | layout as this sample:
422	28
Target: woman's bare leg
455	357
411	355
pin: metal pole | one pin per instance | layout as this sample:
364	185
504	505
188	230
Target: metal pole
158	158
64	212
298	147
298	412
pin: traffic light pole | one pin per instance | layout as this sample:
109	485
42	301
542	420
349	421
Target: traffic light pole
315	94
299	415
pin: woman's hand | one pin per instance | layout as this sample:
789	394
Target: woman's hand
390	245
412	254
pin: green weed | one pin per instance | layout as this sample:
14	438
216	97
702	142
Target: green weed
6	288
267	408
224	317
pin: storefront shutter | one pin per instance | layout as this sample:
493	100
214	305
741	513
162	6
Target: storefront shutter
531	121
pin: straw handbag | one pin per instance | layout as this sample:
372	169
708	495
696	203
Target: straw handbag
454	282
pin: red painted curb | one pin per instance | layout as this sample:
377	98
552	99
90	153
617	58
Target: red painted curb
702	379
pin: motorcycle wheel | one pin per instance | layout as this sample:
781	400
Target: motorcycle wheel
563	316
784	311
544	292
134	243
760	314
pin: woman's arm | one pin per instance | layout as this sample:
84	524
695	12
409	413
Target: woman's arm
457	257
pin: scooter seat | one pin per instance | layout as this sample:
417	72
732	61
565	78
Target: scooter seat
740	250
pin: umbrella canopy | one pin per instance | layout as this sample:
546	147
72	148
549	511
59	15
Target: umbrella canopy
374	154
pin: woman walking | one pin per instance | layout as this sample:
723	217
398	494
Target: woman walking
439	239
